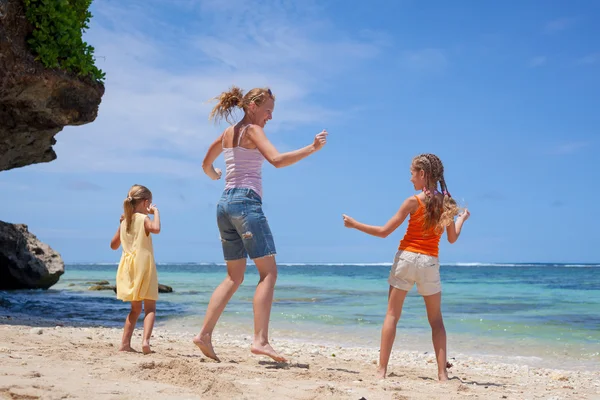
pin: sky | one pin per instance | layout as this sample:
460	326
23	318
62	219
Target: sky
505	93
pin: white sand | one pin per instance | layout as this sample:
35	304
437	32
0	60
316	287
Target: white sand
55	362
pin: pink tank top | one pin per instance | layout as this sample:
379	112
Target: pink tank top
243	167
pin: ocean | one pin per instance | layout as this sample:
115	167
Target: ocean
545	315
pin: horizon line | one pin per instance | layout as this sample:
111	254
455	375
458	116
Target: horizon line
458	263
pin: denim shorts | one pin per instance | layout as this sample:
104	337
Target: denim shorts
243	226
410	268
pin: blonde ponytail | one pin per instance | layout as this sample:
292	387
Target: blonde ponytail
136	194
228	101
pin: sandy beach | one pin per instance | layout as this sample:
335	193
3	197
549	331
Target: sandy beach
44	360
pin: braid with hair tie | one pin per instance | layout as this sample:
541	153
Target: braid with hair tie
445	187
433	176
440	210
427	168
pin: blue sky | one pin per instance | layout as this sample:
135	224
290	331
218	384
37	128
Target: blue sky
506	94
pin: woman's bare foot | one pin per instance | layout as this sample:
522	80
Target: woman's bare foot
266	350
443	376
146	348
381	372
127	348
205	345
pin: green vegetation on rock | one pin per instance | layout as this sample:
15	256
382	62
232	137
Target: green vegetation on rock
56	40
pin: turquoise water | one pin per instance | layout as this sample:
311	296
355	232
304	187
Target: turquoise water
537	314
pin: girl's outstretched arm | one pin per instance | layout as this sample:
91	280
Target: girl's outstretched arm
215	149
115	242
410	205
453	230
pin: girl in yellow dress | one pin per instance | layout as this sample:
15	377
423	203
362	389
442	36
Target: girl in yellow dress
136	276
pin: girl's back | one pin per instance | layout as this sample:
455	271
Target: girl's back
419	238
136	277
136	240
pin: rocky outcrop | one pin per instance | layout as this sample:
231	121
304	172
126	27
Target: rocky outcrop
35	102
25	262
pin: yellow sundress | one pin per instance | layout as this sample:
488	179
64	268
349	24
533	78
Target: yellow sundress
136	276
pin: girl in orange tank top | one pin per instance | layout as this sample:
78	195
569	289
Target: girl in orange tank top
431	213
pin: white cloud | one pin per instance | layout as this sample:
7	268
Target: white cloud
162	68
425	60
82	185
589	59
569	148
559	24
9	187
538	61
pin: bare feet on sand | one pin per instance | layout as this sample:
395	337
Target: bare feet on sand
205	345
266	350
443	375
127	348
381	372
146	348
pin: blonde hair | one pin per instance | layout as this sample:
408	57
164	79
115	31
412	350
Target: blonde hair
440	208
136	194
235	98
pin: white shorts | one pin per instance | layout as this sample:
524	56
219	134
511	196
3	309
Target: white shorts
410	268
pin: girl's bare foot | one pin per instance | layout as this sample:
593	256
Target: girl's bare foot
126	348
205	345
381	372
266	350
146	348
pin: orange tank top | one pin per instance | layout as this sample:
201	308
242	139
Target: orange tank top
417	239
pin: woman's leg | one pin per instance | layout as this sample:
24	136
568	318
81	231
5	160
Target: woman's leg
263	300
217	303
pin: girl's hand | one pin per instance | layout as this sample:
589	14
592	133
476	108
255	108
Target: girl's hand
465	215
152	209
349	222
320	140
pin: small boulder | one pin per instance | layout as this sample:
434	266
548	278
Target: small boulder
164	289
102	287
97	283
161	288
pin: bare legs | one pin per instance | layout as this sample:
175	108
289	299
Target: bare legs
130	321
149	318
216	305
134	314
388	332
263	299
438	332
